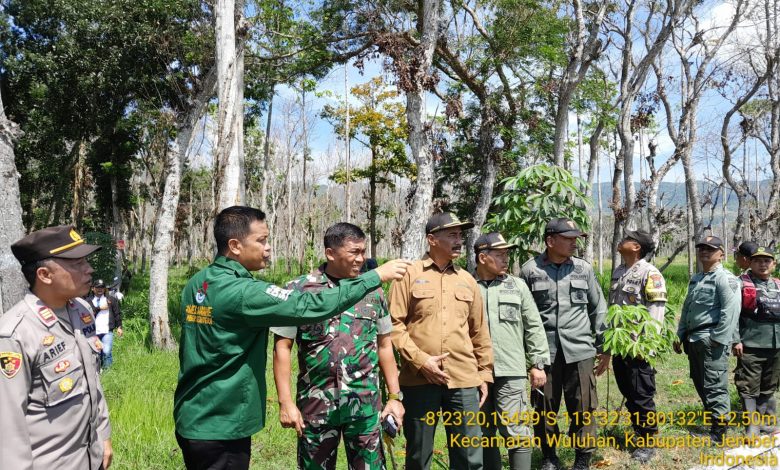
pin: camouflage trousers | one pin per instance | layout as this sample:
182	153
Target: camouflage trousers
318	447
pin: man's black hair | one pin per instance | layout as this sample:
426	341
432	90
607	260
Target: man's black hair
234	222
30	271
338	233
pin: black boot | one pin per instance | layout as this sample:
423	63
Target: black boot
550	459
520	459
751	417
767	407
581	461
717	432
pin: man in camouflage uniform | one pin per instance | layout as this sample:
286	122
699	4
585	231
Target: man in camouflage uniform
707	323
53	410
516	331
758	350
339	360
637	282
573	310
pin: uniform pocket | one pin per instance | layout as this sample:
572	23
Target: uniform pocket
508	311
423	301
464	300
578	291
705	295
313	331
541	292
63	379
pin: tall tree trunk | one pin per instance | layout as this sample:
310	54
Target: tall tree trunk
594	143
166	219
372	210
488	180
267	155
12	283
412	244
229	152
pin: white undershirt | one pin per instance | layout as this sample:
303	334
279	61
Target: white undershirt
101	319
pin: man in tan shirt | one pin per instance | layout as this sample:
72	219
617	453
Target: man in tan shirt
439	329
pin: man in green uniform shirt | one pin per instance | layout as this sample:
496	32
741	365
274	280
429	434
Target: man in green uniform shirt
221	394
758	351
572	306
709	318
516	331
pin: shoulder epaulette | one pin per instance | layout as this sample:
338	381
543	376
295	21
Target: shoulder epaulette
8	324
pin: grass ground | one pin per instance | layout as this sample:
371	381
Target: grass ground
140	387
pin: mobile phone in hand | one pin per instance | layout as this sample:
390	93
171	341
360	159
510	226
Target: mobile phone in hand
389	426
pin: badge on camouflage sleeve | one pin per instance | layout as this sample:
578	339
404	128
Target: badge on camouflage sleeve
47	316
48	340
86	318
61	366
10	363
66	385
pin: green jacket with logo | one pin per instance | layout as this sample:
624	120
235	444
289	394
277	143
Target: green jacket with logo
571	304
515	326
225	315
711	308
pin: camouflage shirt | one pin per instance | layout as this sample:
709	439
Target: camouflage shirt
338	358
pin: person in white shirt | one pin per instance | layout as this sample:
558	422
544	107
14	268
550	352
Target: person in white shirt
108	318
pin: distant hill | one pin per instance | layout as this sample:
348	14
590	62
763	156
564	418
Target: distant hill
673	194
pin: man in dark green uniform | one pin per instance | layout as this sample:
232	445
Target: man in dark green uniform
758	366
221	394
709	317
573	312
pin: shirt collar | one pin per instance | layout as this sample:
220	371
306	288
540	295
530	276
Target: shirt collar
428	262
233	265
546	261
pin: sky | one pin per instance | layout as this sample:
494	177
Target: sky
324	144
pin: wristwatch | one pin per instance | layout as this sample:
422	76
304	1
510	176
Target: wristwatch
538	365
396	396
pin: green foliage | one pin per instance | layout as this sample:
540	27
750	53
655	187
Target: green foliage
102	261
533	197
632	332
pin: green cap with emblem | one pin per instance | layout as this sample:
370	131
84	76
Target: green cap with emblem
443	220
62	241
492	241
763	252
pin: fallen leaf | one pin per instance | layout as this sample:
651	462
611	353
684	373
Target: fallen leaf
603	463
677	382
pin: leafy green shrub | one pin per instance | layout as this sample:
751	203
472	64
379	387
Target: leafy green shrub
632	332
533	197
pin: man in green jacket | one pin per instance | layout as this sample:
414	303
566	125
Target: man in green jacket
225	314
516	331
573	310
709	318
758	350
